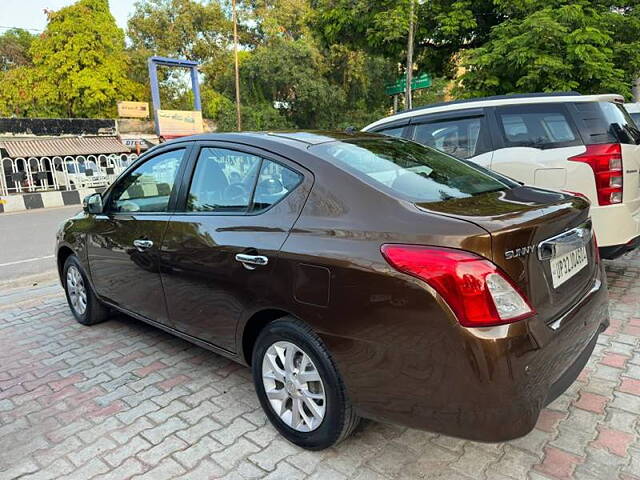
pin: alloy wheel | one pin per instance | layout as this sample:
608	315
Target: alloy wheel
76	289
293	386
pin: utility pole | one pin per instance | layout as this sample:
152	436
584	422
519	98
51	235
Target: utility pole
407	96
235	53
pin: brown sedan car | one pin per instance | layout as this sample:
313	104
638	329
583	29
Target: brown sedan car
358	275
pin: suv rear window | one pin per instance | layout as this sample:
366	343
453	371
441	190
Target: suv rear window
409	170
538	126
606	122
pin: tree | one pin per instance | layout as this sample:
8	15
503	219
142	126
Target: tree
443	27
189	29
578	46
290	75
14	49
281	18
181	28
17	96
79	66
378	27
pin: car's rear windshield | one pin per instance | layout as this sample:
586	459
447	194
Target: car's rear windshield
411	171
606	122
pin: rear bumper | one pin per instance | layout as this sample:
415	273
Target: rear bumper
614	251
570	375
486	384
616	225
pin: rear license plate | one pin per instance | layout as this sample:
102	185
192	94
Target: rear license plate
566	266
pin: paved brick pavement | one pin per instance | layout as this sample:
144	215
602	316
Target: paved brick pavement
123	399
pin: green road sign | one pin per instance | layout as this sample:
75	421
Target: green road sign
419	81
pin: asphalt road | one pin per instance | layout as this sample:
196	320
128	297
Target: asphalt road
27	240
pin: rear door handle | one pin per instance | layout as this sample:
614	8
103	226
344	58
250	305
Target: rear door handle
251	261
142	245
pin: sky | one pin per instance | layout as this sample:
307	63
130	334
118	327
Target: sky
29	14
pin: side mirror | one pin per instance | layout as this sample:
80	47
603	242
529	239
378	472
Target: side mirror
92	203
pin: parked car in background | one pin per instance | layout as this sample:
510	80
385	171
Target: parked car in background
634	111
586	144
358	275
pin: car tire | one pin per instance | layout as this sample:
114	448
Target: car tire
84	304
308	384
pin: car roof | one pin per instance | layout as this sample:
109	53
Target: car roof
298	138
498	100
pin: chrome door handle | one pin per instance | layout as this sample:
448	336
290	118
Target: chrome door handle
142	245
251	261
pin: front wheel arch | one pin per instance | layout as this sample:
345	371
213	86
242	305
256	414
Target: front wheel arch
64	252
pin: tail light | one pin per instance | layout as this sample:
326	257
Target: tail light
477	291
606	162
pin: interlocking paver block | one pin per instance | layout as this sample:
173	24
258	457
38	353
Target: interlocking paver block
128	450
169	468
157	434
164	449
191	456
126	400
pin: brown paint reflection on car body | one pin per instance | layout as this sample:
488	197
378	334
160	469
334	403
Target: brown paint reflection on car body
402	354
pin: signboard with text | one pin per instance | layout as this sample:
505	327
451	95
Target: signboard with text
179	123
133	109
419	81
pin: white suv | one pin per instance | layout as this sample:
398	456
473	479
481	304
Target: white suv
585	144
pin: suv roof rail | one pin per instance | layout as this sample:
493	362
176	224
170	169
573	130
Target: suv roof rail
496	97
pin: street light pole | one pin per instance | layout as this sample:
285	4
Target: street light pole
407	96
235	53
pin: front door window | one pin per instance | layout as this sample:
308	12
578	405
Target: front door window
148	188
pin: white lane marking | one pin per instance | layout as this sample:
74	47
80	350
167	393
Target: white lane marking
26	261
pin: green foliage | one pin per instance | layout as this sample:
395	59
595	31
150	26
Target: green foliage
281	18
79	66
291	74
17	93
14	49
317	63
437	92
557	48
378	27
180	28
258	116
443	27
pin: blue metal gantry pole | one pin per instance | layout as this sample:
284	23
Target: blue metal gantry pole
155	91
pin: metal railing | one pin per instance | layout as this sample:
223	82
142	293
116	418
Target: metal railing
42	174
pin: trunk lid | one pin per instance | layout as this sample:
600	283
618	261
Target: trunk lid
519	220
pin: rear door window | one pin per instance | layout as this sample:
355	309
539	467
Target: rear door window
223	181
459	137
231	181
537	126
